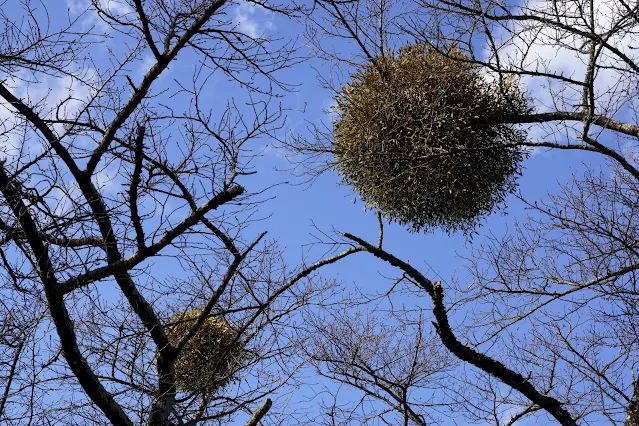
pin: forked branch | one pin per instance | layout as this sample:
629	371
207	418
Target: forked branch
463	352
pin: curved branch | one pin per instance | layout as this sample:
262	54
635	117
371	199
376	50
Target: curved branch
147	30
463	352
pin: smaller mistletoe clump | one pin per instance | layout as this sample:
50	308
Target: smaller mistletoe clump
421	136
210	358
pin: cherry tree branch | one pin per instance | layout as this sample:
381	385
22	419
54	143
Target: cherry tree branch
463	352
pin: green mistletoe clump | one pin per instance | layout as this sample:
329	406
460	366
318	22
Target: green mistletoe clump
421	136
210	358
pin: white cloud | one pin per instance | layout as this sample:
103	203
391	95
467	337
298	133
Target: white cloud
329	108
117	8
252	20
145	65
108	181
114	7
63	97
546	50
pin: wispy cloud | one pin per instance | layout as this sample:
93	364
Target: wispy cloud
117	8
252	20
62	97
545	50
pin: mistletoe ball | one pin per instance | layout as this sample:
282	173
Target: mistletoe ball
211	357
424	137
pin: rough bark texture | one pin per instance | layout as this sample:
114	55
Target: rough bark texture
632	414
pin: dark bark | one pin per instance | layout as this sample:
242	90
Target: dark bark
57	308
632	413
463	352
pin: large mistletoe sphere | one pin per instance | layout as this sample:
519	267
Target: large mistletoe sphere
210	359
422	137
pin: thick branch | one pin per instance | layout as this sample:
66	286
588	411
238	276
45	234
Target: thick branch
463	352
39	124
599	120
163	404
133	189
142	90
260	413
228	243
612	154
100	213
64	326
147	30
632	413
14	234
126	264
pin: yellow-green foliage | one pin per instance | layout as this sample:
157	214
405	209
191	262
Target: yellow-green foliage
420	136
209	359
